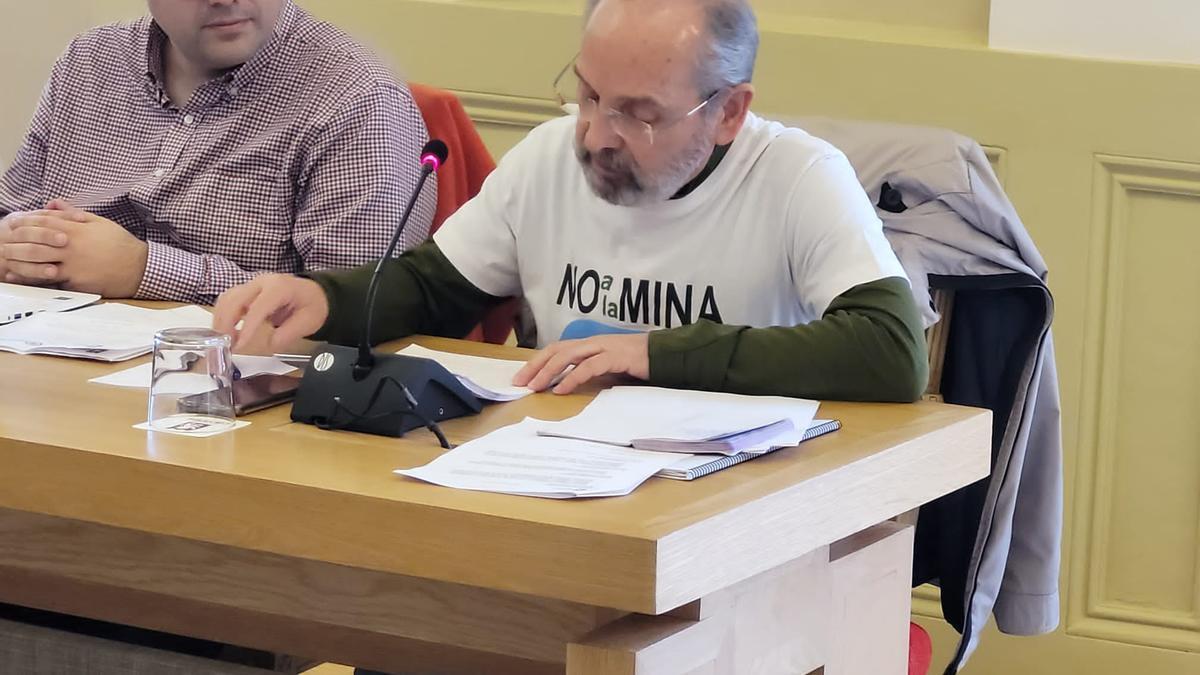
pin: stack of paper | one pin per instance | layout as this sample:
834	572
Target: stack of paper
19	302
691	467
138	377
649	418
593	454
108	332
488	379
516	460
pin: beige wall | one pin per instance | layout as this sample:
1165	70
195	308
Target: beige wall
968	16
35	33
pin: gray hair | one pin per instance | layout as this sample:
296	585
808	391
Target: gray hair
733	43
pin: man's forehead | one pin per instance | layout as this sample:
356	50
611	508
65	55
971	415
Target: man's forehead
631	68
656	34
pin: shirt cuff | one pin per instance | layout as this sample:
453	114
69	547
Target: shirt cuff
692	357
171	274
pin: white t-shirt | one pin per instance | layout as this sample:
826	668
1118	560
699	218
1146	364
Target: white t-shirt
780	229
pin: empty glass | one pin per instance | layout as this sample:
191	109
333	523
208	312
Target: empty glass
191	382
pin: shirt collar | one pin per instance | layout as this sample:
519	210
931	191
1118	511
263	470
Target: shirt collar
714	160
153	43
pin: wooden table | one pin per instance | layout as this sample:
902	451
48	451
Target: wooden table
287	538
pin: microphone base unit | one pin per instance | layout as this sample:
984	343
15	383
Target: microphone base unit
396	395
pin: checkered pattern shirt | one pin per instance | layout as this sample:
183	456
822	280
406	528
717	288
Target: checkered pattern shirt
301	159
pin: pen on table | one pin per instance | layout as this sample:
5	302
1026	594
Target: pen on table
294	359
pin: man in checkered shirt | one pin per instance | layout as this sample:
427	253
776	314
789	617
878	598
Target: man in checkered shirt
176	156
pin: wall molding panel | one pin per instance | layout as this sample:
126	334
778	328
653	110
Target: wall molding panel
1138	203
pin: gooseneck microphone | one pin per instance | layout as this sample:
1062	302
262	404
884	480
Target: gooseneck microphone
433	156
355	389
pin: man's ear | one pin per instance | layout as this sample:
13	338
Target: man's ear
735	105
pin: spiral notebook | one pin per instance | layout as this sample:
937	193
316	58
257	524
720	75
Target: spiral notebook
692	468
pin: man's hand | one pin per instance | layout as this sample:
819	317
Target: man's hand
33	247
290	307
75	249
593	357
5	236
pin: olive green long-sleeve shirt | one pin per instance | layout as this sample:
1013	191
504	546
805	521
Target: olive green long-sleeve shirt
868	346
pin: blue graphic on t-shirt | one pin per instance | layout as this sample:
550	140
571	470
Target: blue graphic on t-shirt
586	328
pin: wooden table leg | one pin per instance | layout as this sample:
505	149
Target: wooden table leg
871	575
841	610
773	623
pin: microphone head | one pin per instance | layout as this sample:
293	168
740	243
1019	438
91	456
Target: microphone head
434	154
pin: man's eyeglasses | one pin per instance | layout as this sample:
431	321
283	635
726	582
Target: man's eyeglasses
568	91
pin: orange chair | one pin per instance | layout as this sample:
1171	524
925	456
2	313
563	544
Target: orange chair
460	180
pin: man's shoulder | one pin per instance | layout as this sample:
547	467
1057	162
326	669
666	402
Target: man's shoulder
554	131
338	58
548	141
102	46
790	147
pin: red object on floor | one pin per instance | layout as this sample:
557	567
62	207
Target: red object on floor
920	650
460	180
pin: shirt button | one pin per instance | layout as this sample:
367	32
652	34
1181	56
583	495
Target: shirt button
159	173
189	120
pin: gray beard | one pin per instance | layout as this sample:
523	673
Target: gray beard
621	184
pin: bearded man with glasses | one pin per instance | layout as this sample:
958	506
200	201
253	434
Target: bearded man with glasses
660	230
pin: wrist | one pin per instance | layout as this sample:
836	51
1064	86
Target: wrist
132	281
